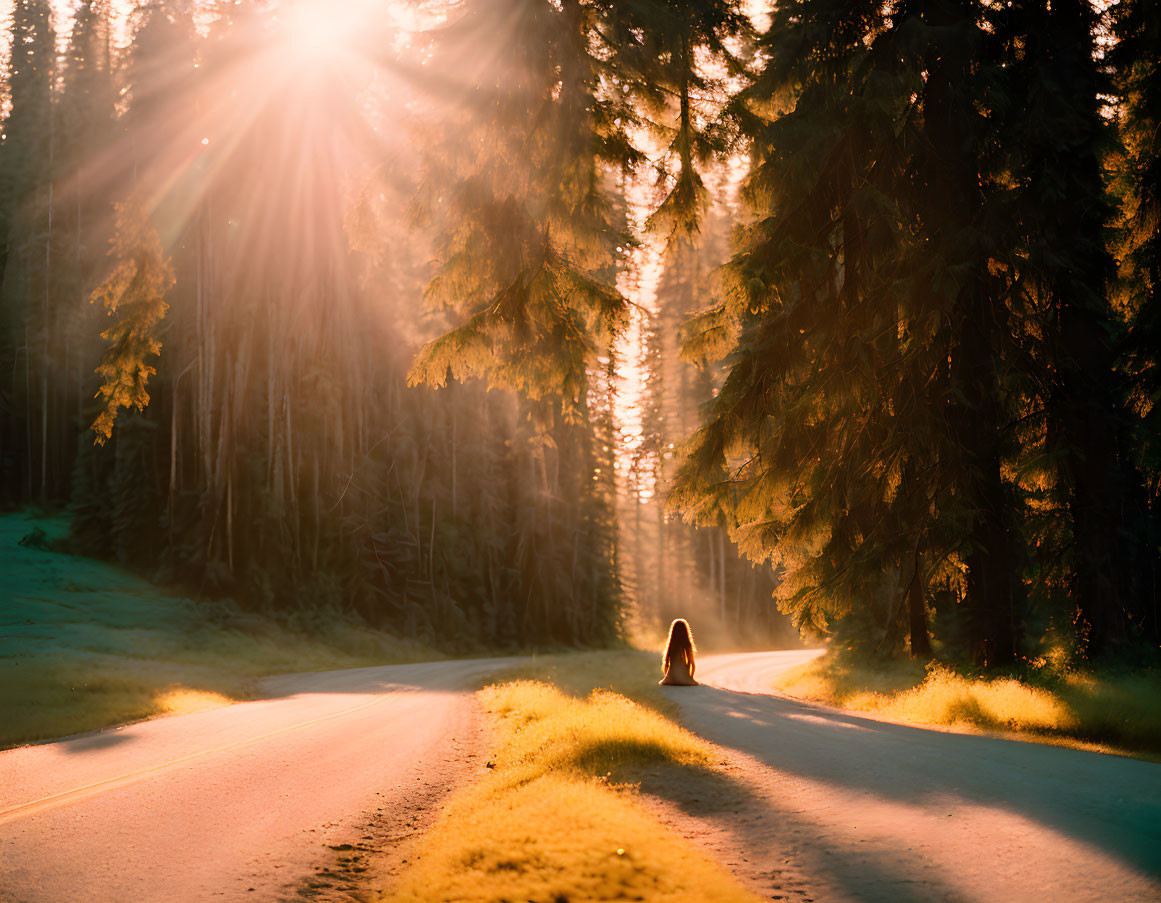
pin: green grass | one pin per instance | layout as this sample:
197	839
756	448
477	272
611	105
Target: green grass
1111	711
553	820
84	644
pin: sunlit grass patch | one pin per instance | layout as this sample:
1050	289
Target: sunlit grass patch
559	839
944	697
634	674
601	735
1114	711
186	701
550	823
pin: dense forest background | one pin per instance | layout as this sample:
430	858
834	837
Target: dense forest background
516	321
226	194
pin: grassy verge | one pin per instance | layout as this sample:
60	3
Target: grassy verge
84	645
1112	712
553	820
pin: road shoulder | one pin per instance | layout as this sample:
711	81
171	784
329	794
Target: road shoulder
363	858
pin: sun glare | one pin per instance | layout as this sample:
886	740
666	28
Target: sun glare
320	31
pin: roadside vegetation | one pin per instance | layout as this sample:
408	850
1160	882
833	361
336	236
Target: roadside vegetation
555	819
85	644
1049	701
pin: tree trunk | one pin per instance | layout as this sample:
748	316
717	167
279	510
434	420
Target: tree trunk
920	642
721	531
1088	432
954	195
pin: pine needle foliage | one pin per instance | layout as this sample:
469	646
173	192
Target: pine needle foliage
806	445
518	190
1076	426
522	176
860	428
134	293
674	63
1137	67
922	397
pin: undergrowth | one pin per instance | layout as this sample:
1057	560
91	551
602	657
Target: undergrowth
553	820
1116	711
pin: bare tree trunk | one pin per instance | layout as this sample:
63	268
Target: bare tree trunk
659	590
270	415
722	573
28	410
173	460
920	641
229	523
454	495
44	404
44	429
316	512
713	561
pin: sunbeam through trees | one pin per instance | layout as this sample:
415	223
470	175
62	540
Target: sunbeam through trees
497	323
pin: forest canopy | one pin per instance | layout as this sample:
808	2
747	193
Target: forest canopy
505	322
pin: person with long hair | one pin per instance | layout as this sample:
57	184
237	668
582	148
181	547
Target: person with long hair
677	662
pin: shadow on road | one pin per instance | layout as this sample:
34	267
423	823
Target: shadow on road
93	742
1107	802
732	820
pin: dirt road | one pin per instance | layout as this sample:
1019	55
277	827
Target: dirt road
231	804
830	806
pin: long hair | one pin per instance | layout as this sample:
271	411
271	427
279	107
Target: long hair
680	638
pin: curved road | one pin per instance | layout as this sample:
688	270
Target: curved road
235	804
230	804
834	806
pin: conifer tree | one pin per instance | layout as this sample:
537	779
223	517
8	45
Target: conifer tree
86	130
958	198
26	173
519	187
529	233
1059	140
28	132
861	427
673	62
89	89
794	319
553	119
1137	68
1137	58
